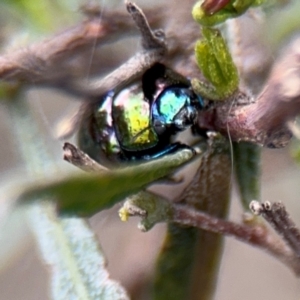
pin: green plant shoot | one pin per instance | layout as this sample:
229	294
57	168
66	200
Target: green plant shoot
216	64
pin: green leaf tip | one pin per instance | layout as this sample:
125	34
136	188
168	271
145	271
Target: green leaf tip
84	195
213	12
216	64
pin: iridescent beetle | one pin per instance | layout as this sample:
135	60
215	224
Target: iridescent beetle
138	122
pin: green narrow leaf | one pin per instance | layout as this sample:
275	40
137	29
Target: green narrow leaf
86	195
210	192
71	249
175	263
247	171
216	64
189	262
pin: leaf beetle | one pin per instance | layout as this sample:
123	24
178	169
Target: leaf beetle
138	122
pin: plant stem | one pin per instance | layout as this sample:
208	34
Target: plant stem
257	236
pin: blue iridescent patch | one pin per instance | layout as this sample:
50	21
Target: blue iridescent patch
169	103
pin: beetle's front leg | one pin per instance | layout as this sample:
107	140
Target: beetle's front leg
171	148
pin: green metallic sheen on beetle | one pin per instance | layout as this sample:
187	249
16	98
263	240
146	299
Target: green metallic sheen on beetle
138	122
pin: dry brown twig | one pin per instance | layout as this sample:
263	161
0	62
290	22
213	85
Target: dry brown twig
277	216
39	63
81	160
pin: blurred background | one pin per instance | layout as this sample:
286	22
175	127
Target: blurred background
246	273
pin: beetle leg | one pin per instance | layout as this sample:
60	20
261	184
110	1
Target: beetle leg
174	147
